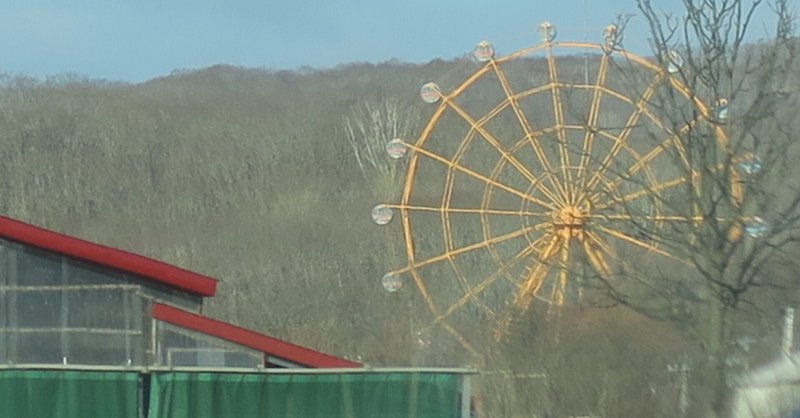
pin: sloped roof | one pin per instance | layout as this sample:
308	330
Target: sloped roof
251	339
102	255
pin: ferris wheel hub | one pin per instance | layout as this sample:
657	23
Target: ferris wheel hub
568	221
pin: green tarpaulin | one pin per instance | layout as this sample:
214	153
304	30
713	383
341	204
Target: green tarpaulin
387	395
68	394
111	394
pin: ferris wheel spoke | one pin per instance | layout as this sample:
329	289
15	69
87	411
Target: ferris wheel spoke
478	176
526	127
487	192
609	184
449	247
440	209
599	244
448	242
560	288
491	140
522	299
522	255
609	251
659	187
461	340
532	283
654	218
426	296
639	219
435	311
530	286
673	139
527	140
591	122
468	289
485	201
623	137
558	112
644	192
507	102
452	331
631	240
413	264
594	248
654	185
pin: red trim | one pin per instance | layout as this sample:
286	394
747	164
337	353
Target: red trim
106	256
266	344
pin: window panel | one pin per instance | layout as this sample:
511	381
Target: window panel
38	268
39	309
38	348
182	347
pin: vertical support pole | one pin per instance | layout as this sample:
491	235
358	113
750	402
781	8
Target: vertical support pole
788	331
4	328
155	347
13	281
138	347
126	312
64	310
466	395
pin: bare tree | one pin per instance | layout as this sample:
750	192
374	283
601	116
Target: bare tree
731	161
369	126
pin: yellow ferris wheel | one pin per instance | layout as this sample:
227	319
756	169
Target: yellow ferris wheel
551	158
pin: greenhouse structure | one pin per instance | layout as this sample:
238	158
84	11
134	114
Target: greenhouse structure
90	330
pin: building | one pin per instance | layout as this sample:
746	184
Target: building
89	330
72	302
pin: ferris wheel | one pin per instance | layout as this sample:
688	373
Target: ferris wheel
540	163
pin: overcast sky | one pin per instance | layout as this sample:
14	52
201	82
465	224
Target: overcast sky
135	40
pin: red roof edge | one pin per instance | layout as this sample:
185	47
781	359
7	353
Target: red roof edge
251	339
24	233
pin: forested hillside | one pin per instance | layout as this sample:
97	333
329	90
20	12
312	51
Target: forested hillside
247	175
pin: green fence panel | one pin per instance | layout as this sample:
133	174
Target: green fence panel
68	394
387	395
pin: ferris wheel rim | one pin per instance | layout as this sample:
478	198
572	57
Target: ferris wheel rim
441	313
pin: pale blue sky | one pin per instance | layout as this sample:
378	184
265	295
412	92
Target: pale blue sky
135	40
